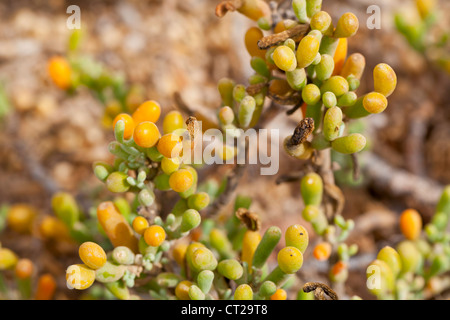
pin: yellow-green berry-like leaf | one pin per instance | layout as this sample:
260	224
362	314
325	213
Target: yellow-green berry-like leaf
331	123
322	22
375	102
190	220
310	213
65	208
296	78
311	187
198	201
230	269
259	65
290	260
313	7
220	242
354	66
444	202
297	236
380	278
324	69
226	87
243	292
123	255
109	272
284	58
205	280
299	7
336	84
246	110
203	259
392	258
307	51
311	94
195	293
267	289
385	79
409	255
117	182
347	26
352	143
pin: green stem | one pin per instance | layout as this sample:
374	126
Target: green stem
3	287
24	286
277	276
266	246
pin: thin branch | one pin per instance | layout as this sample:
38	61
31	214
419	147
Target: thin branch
356	171
285	100
233	179
400	183
32	165
182	105
268	115
295	108
291	177
336	194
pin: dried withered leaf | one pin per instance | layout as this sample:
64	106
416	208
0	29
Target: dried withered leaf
302	131
192	127
227	5
250	219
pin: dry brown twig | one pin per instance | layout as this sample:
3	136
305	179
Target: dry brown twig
294	33
320	290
